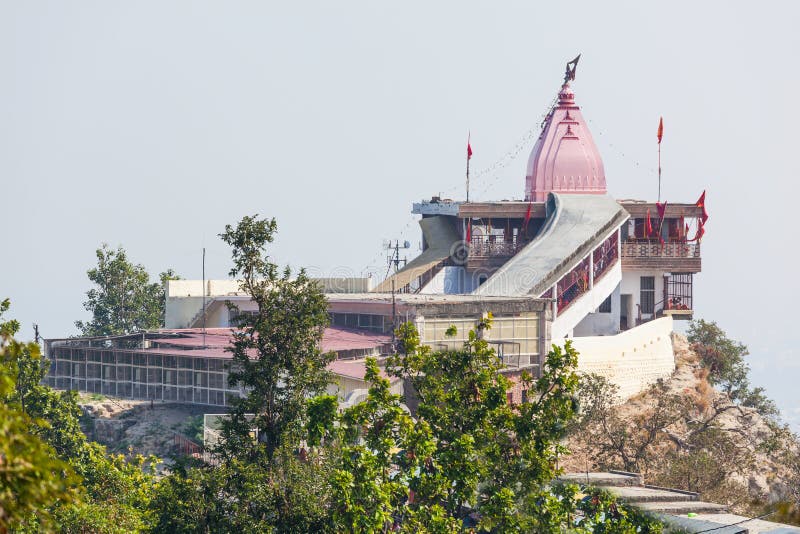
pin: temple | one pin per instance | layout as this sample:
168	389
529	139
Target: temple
565	261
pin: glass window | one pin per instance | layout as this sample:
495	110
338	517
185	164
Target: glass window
154	375
647	296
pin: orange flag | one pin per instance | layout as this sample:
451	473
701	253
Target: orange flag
660	129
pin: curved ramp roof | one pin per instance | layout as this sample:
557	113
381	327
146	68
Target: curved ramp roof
575	225
441	236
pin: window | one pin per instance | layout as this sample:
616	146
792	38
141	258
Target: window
605	306
647	295
679	292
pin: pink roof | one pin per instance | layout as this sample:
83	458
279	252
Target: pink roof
190	342
337	339
564	158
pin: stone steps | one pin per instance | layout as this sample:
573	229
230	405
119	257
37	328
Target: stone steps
605	479
683	507
630	488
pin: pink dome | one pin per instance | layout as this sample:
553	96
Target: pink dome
564	158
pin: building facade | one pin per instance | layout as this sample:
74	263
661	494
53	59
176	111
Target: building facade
564	261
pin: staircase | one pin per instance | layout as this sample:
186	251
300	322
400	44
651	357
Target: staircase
679	509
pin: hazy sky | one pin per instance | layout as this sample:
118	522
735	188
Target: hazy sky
152	124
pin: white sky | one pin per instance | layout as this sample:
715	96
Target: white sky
152	124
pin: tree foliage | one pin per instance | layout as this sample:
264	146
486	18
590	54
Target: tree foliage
698	439
290	496
106	493
124	300
32	479
276	352
724	359
470	460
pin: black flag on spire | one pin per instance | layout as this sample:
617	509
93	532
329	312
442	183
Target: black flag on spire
569	74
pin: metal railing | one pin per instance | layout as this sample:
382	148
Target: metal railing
654	249
605	256
493	246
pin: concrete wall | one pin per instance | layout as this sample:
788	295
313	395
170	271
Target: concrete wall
194	288
181	310
601	324
222	288
343	386
631	285
633	359
185	298
451	280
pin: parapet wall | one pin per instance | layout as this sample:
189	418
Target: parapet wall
633	359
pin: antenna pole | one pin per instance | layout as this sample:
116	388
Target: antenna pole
204	297
394	313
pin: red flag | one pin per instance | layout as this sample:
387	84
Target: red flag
662	209
469	230
686	231
660	129
648	224
469	149
701	203
527	217
700	231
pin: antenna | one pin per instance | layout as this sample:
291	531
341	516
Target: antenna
394	255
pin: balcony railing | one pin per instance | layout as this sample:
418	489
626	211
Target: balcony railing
654	249
605	256
573	285
493	246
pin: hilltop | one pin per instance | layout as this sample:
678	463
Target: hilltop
685	433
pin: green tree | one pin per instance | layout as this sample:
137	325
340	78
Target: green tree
236	496
32	479
724	359
112	492
470	459
277	358
124	299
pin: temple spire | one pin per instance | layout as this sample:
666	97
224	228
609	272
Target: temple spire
564	158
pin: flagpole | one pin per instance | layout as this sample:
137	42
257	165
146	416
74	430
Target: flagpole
659	135
659	172
468	158
467	179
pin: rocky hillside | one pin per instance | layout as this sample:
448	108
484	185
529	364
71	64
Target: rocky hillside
686	434
137	427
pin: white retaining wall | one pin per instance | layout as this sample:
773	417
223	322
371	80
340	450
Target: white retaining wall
633	359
